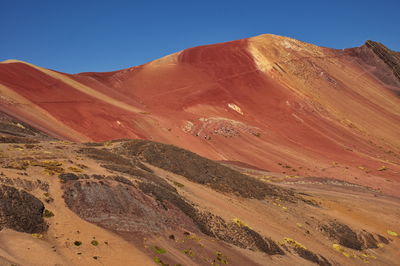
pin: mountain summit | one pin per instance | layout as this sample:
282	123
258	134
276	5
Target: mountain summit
261	101
261	151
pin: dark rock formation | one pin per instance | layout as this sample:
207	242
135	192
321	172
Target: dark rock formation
122	208
201	170
150	204
347	237
20	211
311	256
391	58
65	177
380	61
241	236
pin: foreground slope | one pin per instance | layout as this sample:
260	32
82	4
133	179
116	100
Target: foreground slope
137	202
268	101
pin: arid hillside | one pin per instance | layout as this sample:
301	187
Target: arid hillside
138	202
271	102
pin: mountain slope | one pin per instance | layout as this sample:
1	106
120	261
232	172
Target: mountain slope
268	101
137	202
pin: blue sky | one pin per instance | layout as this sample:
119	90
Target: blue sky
79	36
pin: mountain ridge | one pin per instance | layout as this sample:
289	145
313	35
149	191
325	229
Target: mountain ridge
282	99
14	60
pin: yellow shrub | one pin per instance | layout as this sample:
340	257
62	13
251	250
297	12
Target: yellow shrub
240	223
392	233
293	243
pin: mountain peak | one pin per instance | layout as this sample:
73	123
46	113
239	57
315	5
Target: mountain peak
215	99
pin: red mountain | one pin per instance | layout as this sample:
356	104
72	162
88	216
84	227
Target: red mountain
272	102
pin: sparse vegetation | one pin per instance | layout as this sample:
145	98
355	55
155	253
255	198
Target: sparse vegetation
293	243
159	250
240	222
159	261
94	242
48	214
392	233
188	252
18	165
75	169
340	249
365	257
177	184
37	235
221	258
50	167
303	252
77	243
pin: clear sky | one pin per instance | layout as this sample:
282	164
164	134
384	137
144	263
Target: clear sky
79	36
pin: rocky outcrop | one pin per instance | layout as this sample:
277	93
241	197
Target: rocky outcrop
142	202
121	207
391	58
238	235
349	238
154	209
13	130
20	211
201	170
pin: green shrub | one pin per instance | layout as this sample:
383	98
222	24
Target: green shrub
159	250
177	184
48	214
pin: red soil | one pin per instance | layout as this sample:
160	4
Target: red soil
320	111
